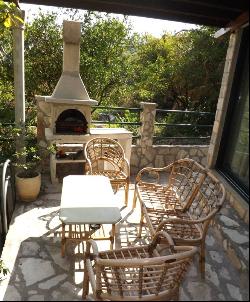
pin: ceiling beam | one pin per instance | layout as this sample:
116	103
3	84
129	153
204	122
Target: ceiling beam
239	22
232	5
212	13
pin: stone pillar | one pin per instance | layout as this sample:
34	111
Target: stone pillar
19	84
147	119
225	91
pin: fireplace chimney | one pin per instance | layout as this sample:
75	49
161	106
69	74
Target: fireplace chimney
70	87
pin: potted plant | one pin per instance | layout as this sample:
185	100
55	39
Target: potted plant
28	175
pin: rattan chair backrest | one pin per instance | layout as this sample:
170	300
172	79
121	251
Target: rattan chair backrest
143	277
209	198
101	150
199	191
185	177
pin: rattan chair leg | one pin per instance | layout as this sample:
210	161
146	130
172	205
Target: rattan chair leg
202	259
85	290
126	193
176	296
114	186
140	226
112	237
134	199
63	241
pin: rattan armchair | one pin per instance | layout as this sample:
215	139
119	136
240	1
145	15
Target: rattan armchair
183	201
106	157
137	273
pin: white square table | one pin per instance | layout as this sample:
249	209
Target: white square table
87	201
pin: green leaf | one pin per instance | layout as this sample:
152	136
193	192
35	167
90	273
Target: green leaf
7	22
18	18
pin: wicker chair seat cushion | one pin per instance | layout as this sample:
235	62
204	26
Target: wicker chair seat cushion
139	252
160	203
160	198
112	175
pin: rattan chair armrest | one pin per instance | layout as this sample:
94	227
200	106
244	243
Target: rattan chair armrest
185	249
156	240
179	221
209	216
135	262
88	166
151	170
186	221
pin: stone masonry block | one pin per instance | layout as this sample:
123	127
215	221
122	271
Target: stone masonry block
234	258
159	161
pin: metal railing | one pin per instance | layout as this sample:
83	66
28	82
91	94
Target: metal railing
181	127
117	116
7	198
171	126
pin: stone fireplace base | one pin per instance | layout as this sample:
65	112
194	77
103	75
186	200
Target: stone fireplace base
123	136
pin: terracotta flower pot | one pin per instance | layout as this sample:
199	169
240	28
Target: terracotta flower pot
28	188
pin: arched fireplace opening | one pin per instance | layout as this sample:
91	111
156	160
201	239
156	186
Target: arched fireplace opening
71	121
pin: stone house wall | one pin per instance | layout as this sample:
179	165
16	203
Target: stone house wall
234	199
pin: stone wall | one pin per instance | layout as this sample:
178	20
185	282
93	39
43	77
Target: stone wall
234	199
160	156
225	91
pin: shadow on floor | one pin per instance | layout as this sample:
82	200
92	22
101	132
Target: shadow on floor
38	272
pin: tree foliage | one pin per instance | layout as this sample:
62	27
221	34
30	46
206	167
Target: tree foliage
197	61
150	65
9	14
43	56
6	76
105	46
181	71
119	68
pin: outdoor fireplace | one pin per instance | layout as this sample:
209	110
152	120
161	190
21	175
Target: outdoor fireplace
71	121
68	109
64	118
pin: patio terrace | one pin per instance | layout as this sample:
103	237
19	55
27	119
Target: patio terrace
32	247
39	273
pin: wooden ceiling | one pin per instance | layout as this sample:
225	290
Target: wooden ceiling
217	13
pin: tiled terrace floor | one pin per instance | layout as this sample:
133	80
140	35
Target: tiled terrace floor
39	273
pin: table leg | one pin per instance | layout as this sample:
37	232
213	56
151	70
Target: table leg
63	241
112	237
